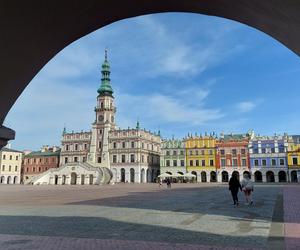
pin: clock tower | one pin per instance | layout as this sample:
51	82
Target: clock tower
104	121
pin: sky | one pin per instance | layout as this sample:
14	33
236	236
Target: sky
178	73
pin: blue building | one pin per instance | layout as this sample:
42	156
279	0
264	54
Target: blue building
268	158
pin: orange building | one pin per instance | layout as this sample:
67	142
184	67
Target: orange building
232	156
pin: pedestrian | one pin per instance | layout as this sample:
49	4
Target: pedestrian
160	182
247	187
234	186
168	183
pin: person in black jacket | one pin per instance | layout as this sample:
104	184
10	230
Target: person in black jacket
234	186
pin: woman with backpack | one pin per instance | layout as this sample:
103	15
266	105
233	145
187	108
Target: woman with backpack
234	186
247	187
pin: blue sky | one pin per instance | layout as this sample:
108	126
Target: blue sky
180	73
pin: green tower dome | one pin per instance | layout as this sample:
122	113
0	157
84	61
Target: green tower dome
105	88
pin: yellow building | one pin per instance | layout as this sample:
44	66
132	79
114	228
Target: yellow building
201	157
293	157
10	162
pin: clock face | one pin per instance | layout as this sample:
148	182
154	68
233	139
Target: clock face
100	118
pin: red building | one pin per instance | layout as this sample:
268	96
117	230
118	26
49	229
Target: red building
232	156
35	163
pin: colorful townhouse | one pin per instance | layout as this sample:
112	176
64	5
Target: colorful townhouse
201	157
10	162
268	158
293	156
37	162
172	158
232	156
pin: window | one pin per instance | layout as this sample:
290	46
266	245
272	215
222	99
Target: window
281	149
167	163
175	163
263	150
40	159
46	160
83	159
181	152
182	163
100	144
3	168
67	147
123	144
131	158
255	151
203	163
273	162
196	152
281	162
243	151
33	169
167	152
222	152
234	162
191	152
234	151
143	145
191	163
132	144
210	152
143	158
197	163
9	168
114	145
123	158
114	159
272	150
244	162
76	147
16	168
39	169
66	160
4	156
264	162
223	162
99	159
27	169
17	158
85	146
10	157
174	152
256	163
75	159
211	163
34	160
202	152
295	161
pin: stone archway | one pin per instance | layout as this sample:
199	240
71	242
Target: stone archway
82	179
203	176
196	176
258	176
8	181
224	176
73	178
55	179
91	179
213	176
270	176
282	176
15	179
2	180
237	174
122	174
63	181
132	175
142	175
294	177
46	38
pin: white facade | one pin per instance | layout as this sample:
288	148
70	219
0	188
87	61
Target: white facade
10	162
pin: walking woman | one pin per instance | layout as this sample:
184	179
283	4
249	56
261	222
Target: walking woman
247	187
234	186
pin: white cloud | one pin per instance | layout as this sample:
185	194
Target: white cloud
246	106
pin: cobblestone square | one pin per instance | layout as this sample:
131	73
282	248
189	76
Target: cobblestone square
145	216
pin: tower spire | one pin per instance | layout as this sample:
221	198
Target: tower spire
105	88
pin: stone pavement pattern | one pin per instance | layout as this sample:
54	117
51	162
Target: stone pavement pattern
128	216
